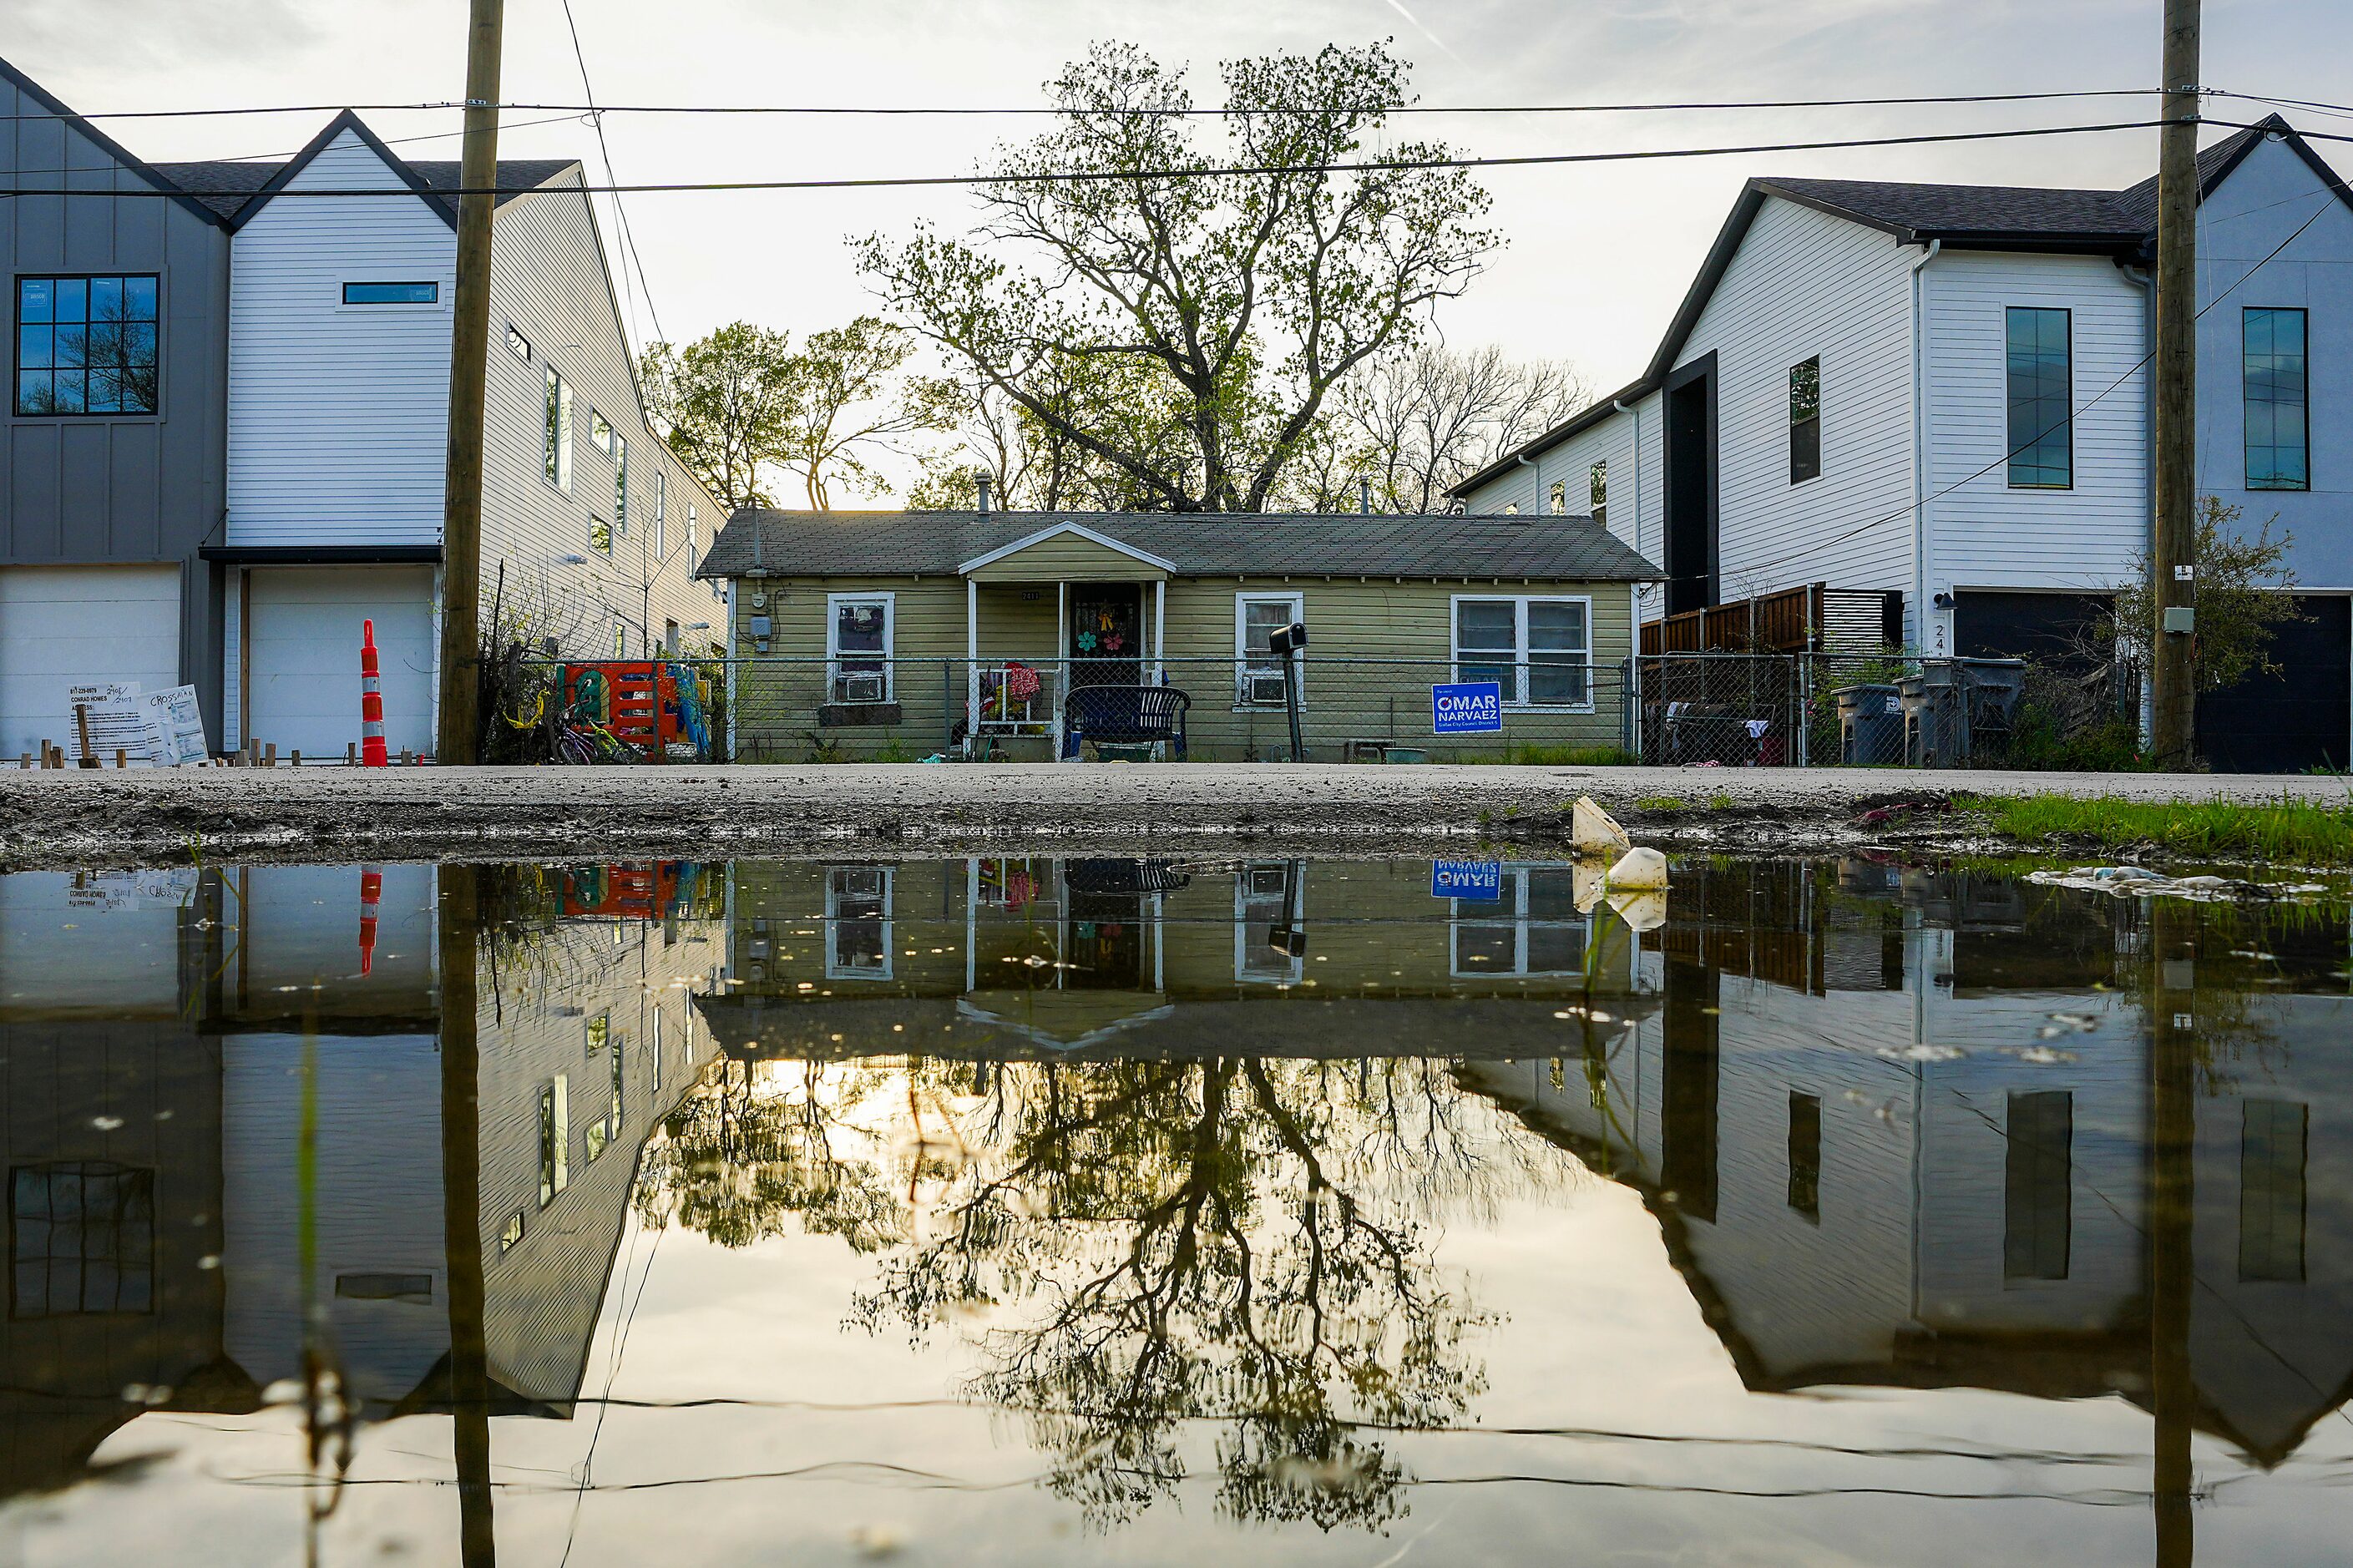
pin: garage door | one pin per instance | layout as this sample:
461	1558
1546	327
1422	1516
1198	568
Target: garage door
2053	628
2295	721
72	625
301	656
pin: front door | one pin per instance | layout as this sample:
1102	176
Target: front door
1106	635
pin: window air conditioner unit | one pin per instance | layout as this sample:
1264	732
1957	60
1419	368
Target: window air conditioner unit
858	687
1263	689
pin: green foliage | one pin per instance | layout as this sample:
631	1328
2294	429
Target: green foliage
1235	303
2294	832
1660	803
2245	594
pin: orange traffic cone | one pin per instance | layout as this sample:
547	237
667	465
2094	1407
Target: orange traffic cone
372	752
371	894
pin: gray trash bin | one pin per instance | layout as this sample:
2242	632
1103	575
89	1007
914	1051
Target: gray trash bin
1932	727
1871	725
1990	692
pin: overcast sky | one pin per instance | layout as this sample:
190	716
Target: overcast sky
1597	254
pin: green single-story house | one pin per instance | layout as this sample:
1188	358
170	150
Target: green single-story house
899	635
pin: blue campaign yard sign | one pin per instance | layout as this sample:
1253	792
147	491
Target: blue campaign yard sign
1467	708
1481	881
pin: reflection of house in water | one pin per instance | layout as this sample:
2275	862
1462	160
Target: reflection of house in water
156	1031
1002	958
1896	1131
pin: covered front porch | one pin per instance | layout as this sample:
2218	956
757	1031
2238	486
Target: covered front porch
1067	610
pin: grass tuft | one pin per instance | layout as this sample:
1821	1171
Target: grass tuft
1660	803
2297	832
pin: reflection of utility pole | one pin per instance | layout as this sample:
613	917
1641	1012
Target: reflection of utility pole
461	1185
2172	1195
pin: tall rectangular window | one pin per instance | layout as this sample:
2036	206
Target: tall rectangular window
858	637
557	450
661	511
81	1238
2279	445
2038	1182
1806	1154
600	536
555	1139
2271	1190
1806	420
620	486
86	346
2041	399
857	923
1258	674
1596	490
1556	502
1538	649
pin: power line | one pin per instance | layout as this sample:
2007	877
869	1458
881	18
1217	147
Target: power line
1013	110
1221	171
620	213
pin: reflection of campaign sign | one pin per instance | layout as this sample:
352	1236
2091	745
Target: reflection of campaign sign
1480	880
1467	708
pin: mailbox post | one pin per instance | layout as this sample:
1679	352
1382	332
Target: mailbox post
1284	643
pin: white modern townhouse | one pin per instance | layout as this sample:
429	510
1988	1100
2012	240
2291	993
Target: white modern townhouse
338	375
227	424
1940	392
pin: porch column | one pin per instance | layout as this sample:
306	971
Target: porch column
971	667
1062	660
1159	631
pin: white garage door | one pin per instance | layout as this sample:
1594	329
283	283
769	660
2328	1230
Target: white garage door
301	656
72	625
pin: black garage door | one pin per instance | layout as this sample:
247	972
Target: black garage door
2049	627
2298	719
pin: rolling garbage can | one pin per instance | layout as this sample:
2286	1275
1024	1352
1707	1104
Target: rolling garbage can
1990	692
1871	725
1932	728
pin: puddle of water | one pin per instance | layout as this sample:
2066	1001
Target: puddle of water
1030	1211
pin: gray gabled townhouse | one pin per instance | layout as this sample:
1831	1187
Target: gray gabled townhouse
1941	391
258	468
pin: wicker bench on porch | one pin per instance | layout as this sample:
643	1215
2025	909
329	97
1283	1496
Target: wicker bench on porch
1125	715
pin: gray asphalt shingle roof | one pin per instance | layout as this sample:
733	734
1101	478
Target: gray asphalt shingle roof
935	544
209	179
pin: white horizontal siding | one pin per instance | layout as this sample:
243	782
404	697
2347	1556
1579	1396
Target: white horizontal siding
550	281
1982	534
338	416
1804	284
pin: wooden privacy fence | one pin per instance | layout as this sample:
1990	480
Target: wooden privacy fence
1815	618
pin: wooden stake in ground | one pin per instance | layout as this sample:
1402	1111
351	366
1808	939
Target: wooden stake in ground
2173	685
461	512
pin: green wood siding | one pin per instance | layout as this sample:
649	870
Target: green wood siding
1070	558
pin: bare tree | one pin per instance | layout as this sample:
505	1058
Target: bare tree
1421	424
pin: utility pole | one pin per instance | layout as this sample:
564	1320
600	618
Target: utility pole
459	741
2173	553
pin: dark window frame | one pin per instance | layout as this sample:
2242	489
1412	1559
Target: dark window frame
16	347
135	1181
2065	427
432	283
1806	432
2247	394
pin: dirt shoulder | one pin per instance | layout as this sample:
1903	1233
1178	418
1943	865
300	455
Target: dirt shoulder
74	819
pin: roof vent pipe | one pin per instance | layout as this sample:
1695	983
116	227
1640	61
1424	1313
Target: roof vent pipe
1365	496
980	483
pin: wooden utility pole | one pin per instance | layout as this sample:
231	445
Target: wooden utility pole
459	741
2173	553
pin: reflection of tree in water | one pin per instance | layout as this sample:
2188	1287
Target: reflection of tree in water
1132	1246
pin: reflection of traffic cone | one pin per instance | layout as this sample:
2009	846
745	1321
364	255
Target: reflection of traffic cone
371	894
372	752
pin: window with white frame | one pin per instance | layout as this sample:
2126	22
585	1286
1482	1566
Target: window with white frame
1556	498
620	486
1533	929
555	453
1538	648
600	432
1267	902
662	513
517	345
857	630
857	923
1258	673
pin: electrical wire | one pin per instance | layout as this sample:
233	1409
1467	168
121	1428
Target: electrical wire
1222	170
1011	110
620	213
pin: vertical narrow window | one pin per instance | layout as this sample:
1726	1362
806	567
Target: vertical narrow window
600	536
555	1134
1557	502
2037	1192
1806	1154
661	511
1596	490
556	446
1806	420
620	642
858	636
1487	642
1258	674
620	486
2041	399
81	1239
2279	449
86	346
2271	1190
